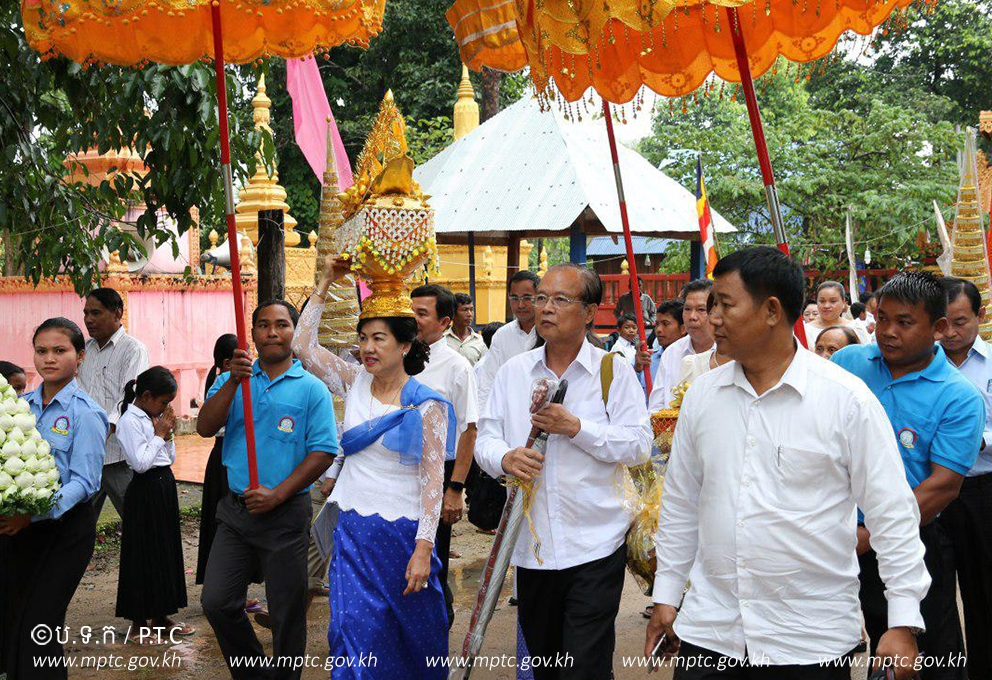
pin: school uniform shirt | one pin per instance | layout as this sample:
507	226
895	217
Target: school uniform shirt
758	515
103	374
143	449
578	513
666	379
937	415
449	373
294	416
472	347
625	348
76	428
508	341
977	368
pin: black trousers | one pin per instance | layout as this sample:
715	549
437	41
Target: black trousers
939	608
276	543
442	546
697	663
40	569
968	522
568	615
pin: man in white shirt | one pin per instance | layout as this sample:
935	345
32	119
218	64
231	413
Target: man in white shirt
112	359
451	375
771	455
515	337
568	588
967	518
698	338
461	336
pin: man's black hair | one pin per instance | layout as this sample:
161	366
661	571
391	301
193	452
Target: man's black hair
108	297
955	288
463	299
917	288
525	275
767	272
294	314
857	308
695	286
672	308
444	299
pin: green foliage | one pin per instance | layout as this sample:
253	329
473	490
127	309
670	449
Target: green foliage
55	108
879	160
426	138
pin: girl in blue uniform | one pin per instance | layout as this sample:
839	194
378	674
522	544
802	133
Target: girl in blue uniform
43	557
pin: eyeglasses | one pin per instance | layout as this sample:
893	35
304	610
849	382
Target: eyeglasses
558	300
529	299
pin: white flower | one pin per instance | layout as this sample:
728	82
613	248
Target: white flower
36	436
30	462
3	437
6	422
40	480
13	465
5	480
3	382
23	406
54	478
44	448
28	449
24	480
25	421
43	494
16	434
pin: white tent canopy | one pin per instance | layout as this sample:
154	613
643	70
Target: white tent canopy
528	170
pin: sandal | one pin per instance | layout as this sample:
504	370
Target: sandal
182	629
252	606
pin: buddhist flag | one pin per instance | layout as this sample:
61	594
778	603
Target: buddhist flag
311	118
706	232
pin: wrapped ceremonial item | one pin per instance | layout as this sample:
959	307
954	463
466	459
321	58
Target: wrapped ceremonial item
388	229
29	480
543	392
641	493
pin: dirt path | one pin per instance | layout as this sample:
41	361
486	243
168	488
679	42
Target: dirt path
199	656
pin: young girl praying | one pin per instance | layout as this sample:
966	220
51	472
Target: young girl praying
151	586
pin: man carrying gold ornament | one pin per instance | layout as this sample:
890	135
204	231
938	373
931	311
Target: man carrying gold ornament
570	568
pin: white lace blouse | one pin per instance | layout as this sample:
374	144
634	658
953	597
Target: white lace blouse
374	481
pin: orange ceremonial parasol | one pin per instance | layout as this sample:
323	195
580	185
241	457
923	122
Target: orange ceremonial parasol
135	32
670	46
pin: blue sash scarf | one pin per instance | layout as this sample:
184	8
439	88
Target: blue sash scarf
402	430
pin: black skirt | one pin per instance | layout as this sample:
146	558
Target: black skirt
40	569
152	581
214	488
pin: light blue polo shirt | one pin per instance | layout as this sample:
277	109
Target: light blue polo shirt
76	428
937	414
294	416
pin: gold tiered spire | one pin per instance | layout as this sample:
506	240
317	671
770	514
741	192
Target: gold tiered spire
263	192
466	114
970	257
340	319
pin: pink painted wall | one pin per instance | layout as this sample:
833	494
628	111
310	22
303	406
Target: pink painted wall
178	328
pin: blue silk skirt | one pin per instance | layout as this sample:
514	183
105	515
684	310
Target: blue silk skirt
375	632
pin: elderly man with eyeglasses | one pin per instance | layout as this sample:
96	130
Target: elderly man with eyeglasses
570	579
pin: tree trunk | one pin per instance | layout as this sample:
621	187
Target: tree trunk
490	93
271	256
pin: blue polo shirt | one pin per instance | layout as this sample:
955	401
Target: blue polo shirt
294	416
937	414
76	428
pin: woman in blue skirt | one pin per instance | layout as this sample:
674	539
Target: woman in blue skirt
387	607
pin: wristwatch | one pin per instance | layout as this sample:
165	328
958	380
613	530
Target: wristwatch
456	486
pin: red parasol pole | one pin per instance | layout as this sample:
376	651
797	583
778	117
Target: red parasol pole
232	235
635	288
758	130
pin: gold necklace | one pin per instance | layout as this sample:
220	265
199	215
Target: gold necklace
388	403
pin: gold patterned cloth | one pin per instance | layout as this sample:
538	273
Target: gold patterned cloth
130	32
672	46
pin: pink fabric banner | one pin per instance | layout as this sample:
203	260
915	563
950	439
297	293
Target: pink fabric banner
311	117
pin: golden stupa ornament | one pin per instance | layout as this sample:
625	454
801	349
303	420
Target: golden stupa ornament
263	192
970	259
388	231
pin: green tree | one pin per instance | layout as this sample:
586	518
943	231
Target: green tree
55	108
882	162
